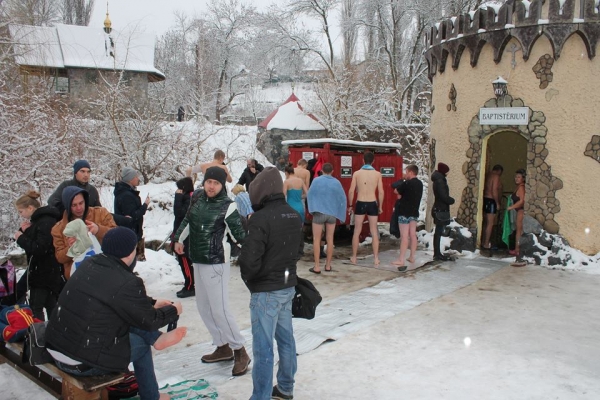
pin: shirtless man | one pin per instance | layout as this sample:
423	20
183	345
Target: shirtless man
365	182
492	193
218	161
302	172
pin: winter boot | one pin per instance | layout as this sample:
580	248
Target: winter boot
222	353
141	250
242	360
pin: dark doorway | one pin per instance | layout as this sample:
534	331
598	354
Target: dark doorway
509	149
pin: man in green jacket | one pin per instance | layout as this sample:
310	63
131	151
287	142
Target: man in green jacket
211	218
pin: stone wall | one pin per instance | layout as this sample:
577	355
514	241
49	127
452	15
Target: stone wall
269	142
88	89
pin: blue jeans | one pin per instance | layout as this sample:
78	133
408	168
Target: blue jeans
141	356
271	315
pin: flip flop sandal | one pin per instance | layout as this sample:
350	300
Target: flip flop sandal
313	271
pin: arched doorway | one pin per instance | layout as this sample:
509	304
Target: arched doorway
541	185
508	149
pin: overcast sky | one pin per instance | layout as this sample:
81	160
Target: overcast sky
152	15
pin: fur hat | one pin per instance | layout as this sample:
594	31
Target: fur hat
128	174
443	168
217	174
80	164
119	242
267	183
237	189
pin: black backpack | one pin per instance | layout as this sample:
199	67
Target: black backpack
306	299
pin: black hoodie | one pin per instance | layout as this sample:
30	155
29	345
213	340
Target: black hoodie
129	203
44	270
441	192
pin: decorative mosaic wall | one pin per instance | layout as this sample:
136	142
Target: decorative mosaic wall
543	70
593	148
541	186
452	96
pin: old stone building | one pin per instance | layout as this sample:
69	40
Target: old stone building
288	122
544	119
87	65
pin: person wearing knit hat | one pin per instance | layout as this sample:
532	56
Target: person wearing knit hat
443	168
441	208
268	267
216	174
79	164
81	178
128	206
212	223
105	303
119	242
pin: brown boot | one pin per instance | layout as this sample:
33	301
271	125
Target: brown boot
222	353
141	249
242	360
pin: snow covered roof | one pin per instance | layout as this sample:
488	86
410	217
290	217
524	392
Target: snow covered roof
72	46
291	116
352	143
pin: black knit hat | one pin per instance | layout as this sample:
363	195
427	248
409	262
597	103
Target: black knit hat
80	164
119	242
443	168
216	173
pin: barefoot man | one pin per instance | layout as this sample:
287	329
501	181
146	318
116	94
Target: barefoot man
410	192
302	172
218	161
492	193
365	182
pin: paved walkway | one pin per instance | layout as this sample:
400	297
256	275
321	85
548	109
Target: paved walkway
344	315
518	333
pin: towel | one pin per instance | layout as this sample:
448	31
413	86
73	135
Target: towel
78	229
508	223
327	196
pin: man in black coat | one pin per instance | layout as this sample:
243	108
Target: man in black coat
253	168
441	206
128	204
105	320
81	178
410	192
268	267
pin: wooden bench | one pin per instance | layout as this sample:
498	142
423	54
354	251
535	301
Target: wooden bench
56	382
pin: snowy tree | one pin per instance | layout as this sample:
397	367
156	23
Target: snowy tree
77	12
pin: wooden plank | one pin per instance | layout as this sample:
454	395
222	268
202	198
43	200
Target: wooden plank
50	375
49	383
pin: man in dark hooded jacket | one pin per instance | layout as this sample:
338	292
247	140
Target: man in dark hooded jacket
442	204
129	204
268	267
97	219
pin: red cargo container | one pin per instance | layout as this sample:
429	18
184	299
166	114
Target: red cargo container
346	156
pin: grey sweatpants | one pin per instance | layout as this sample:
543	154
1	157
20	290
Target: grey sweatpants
212	300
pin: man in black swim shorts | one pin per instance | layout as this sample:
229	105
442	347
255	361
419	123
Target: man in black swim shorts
366	208
492	193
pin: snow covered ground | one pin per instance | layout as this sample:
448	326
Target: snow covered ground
519	325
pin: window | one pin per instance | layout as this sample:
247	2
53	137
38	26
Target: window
61	84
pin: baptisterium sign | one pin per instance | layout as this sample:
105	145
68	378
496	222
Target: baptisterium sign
504	116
